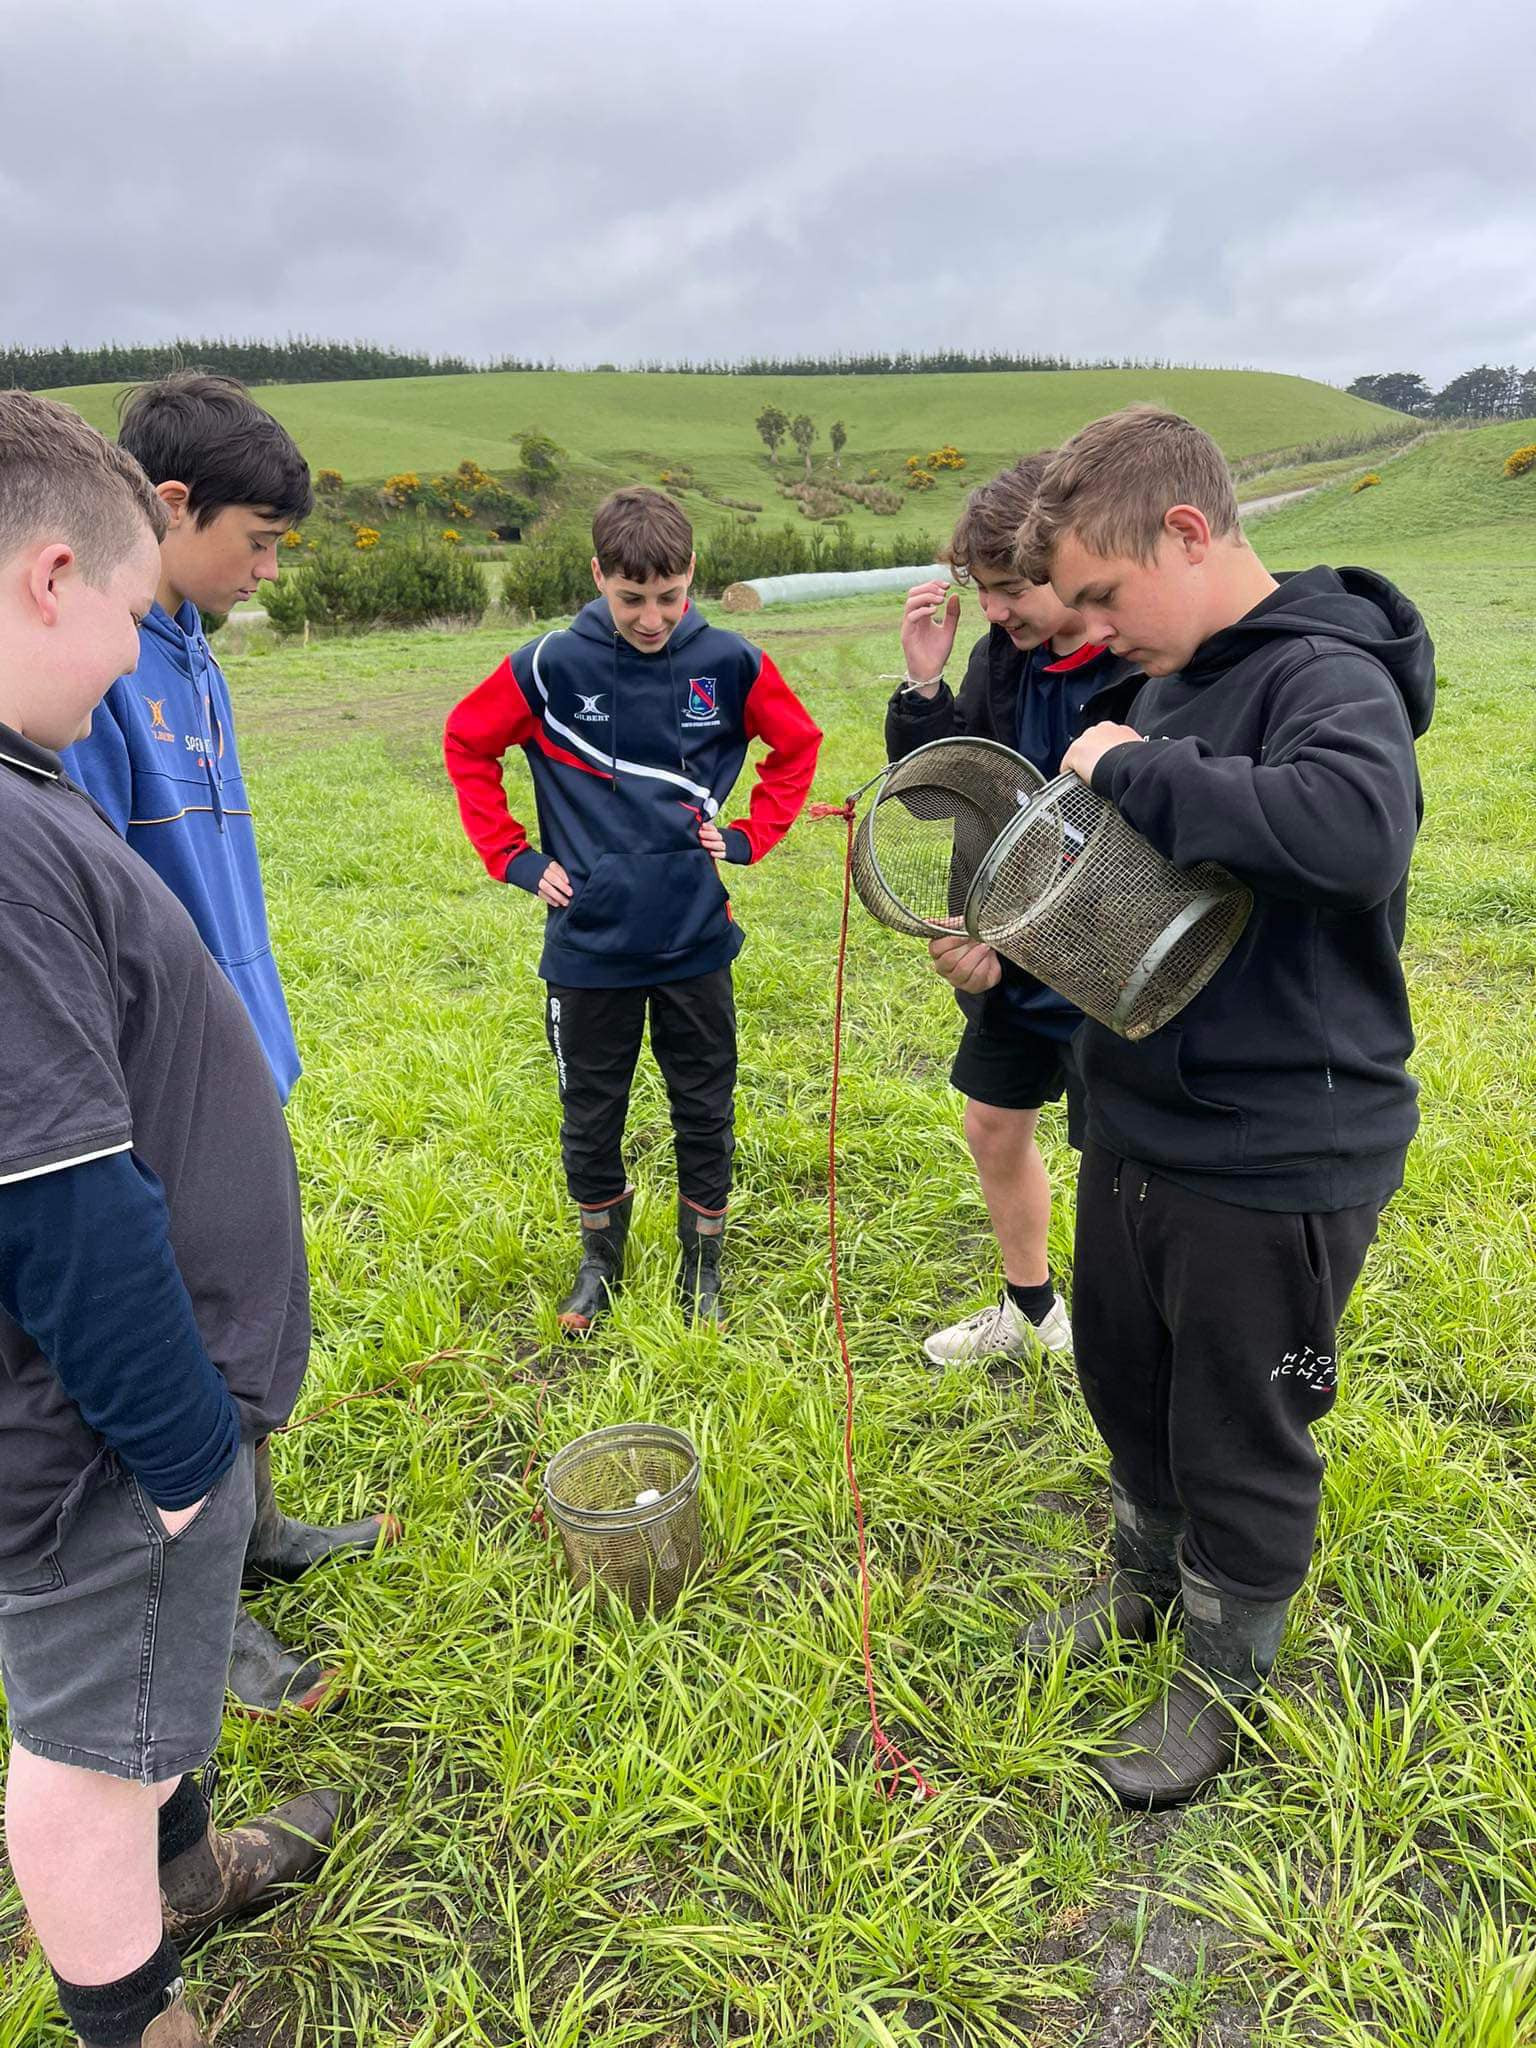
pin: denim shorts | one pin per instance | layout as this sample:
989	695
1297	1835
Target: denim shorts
114	1644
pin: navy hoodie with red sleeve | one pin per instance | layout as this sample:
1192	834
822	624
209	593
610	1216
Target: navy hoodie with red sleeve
630	754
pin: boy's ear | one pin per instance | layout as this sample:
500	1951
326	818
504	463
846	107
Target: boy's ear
1191	529
693	563
48	566
597	574
174	497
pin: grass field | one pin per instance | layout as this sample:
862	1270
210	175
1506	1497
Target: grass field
571	1830
626	427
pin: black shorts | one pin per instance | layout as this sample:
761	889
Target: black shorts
1009	1068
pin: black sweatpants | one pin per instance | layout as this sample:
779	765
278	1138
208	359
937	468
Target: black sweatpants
595	1035
1205	1340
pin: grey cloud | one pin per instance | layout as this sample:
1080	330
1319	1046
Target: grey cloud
1320	187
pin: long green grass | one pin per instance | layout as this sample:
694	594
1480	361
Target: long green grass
570	1829
625	427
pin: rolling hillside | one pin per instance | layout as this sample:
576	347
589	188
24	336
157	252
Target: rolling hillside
626	426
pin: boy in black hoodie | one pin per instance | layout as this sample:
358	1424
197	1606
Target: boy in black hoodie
635	724
1237	1160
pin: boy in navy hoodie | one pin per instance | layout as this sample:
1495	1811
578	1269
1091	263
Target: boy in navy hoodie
161	760
635	723
1237	1161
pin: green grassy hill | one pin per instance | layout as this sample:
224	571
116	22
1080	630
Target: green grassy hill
628	426
1447	497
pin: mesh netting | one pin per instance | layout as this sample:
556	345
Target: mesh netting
626	1503
1078	898
934	817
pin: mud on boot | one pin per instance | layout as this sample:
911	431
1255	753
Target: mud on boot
601	1272
224	1873
176	2027
281	1550
1129	1602
266	1679
1192	1733
700	1234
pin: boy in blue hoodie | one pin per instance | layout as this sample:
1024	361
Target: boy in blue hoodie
161	760
635	723
1236	1161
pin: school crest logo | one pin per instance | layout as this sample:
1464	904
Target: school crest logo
702	705
590	709
157	724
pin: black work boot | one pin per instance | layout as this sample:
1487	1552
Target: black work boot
281	1550
176	2027
1129	1602
698	1279
1191	1734
601	1272
225	1873
266	1679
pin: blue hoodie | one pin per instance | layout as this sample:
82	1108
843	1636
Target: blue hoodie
631	753
160	760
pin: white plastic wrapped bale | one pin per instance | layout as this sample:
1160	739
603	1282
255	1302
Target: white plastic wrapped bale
820	585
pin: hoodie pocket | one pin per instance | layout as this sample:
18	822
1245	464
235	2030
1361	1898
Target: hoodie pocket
1139	1097
647	906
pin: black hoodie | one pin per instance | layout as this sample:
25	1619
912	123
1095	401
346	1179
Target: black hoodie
1284	750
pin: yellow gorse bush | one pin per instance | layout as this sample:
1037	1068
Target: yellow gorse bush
1522	460
403	489
365	536
1363	483
293	538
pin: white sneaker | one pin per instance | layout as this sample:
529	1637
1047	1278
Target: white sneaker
1001	1332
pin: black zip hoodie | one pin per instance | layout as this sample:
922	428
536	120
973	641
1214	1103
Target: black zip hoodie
1285	750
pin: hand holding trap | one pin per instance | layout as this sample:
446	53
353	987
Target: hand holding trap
965	835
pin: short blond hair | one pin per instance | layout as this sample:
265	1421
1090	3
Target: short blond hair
1113	484
61	480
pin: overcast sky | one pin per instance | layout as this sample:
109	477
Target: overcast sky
1327	186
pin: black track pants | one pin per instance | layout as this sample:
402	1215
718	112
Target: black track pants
595	1036
1205	1339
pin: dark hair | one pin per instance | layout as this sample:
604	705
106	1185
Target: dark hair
61	480
208	433
1113	483
987	532
640	533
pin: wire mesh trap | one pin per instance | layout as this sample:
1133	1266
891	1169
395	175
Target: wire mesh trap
1073	894
935	816
626	1502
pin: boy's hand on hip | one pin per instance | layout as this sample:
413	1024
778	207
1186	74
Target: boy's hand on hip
555	886
928	627
712	839
1090	747
965	963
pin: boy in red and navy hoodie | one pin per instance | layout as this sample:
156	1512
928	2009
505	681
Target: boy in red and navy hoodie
635	722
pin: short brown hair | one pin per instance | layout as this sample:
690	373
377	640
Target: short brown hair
1113	484
986	535
640	533
61	480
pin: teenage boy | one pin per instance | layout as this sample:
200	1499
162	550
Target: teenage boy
1034	680
635	723
1237	1161
162	762
154	1306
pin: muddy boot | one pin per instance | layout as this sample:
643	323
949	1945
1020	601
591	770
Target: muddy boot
601	1272
1129	1602
266	1679
218	1875
1191	1734
282	1550
698	1279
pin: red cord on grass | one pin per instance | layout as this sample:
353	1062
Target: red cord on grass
888	1756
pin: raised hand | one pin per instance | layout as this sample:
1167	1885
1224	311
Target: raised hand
928	627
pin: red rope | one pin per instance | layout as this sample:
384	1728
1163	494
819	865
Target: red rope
888	1756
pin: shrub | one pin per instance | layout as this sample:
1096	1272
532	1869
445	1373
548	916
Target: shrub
541	462
921	480
549	576
365	537
402	490
879	498
1522	460
293	538
947	457
285	603
328	483
742	550
677	476
1364	483
404	586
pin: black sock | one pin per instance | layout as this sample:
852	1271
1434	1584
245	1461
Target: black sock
118	2015
183	1819
1033	1302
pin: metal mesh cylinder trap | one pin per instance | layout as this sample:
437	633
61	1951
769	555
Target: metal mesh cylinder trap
626	1502
1074	895
936	814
